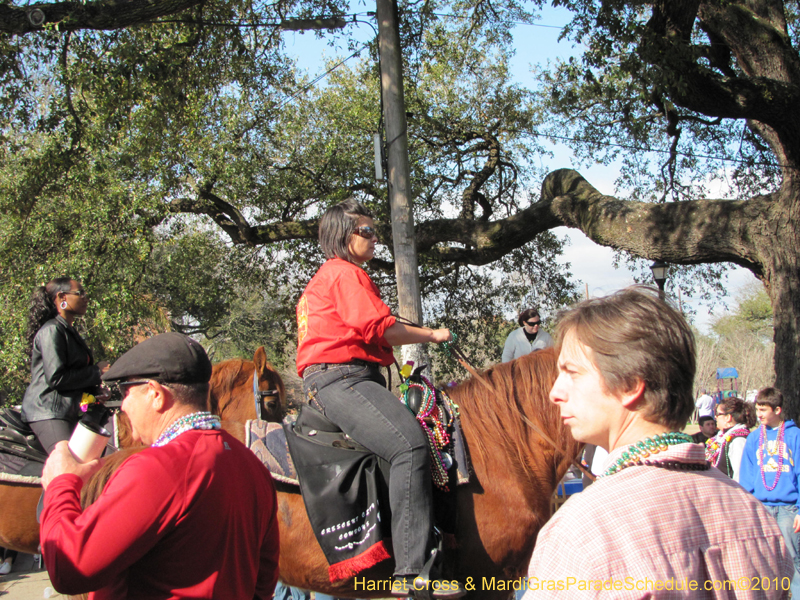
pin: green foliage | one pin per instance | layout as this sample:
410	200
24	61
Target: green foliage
113	143
752	316
191	276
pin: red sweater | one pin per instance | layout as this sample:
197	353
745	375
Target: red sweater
193	519
341	317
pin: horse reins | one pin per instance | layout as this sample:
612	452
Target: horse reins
452	349
536	429
459	356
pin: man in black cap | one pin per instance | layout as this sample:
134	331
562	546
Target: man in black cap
193	516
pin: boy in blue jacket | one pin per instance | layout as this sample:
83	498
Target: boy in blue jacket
770	472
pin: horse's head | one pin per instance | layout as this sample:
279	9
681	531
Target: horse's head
239	386
270	389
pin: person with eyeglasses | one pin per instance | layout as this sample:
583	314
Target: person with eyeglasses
191	515
528	338
62	365
734	418
345	334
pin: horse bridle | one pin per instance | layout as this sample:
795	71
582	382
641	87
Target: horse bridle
259	395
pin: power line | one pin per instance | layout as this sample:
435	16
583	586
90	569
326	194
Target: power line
658	151
354	16
257	24
320	77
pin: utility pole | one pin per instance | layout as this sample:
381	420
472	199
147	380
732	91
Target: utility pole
394	116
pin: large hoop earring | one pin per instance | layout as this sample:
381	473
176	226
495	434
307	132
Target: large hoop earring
63	305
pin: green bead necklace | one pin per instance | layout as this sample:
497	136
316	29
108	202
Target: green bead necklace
636	453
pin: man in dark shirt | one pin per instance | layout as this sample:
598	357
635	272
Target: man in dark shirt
708	429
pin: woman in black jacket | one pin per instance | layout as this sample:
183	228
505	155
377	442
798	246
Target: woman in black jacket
62	367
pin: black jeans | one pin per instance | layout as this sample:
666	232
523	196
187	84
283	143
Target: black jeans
52	431
356	399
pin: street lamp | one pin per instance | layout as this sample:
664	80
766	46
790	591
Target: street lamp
659	269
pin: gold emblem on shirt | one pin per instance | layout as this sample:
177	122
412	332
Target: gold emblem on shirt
302	319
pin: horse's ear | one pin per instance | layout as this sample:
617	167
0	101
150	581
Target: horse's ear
260	360
263	367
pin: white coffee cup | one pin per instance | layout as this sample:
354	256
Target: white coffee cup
88	441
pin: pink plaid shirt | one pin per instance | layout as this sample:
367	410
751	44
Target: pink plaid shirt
650	532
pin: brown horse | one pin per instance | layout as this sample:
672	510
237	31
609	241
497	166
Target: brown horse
232	397
233	400
499	512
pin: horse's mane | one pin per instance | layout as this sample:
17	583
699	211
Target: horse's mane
94	487
496	422
224	372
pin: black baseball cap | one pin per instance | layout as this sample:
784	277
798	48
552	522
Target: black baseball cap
168	357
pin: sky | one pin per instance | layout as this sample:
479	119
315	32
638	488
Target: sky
590	264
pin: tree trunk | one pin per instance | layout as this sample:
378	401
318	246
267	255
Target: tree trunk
780	240
784	290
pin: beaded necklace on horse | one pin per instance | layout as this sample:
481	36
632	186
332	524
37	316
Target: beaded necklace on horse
435	418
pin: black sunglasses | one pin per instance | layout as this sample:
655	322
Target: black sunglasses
532	323
123	386
366	231
81	293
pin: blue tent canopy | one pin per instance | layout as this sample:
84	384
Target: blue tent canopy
727	373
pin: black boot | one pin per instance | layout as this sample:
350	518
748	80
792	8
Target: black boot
428	585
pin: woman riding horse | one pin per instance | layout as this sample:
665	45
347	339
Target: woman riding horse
62	366
345	333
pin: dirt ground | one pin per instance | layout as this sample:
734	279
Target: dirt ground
26	581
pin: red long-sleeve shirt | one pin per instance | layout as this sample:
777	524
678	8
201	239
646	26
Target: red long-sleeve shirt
341	317
195	518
